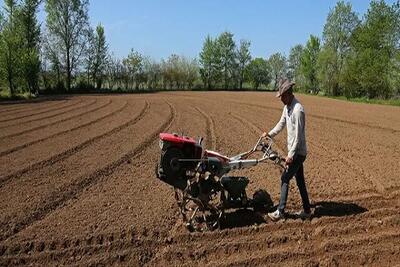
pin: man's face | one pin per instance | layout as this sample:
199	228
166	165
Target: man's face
285	97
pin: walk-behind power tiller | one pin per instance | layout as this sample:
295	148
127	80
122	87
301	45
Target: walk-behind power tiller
203	189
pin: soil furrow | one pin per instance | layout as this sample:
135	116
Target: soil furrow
366	125
89	196
58	113
339	221
117	248
187	118
330	219
127	238
317	152
293	229
11	150
38	113
375	182
22	109
211	137
255	129
305	251
61	120
281	240
72	150
68	192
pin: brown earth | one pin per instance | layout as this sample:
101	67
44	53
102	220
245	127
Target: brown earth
77	182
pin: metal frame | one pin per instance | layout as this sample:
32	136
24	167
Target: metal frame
206	211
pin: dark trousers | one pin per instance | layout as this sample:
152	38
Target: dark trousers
295	169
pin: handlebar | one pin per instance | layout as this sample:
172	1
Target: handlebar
242	161
266	149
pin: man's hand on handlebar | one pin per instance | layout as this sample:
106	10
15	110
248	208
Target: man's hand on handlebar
265	134
288	160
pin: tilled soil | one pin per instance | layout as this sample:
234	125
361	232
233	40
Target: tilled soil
77	182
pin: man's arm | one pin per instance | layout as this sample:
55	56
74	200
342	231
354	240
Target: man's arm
299	129
279	126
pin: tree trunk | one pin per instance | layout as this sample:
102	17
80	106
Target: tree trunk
10	75
99	83
10	83
58	77
68	71
226	80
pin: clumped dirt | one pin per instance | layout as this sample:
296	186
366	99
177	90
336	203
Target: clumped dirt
77	182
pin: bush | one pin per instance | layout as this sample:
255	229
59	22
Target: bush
83	87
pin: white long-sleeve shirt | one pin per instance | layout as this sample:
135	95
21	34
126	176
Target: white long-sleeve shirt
293	117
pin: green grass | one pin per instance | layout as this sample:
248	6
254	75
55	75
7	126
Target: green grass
391	102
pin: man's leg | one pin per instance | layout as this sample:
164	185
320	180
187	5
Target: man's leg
285	179
302	188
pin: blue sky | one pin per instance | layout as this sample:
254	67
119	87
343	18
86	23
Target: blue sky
158	28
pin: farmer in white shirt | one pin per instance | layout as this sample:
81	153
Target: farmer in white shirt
293	117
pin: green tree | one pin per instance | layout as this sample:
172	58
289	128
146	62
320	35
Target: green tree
277	64
175	71
374	44
244	58
100	56
89	54
1	47
153	72
395	74
30	30
308	66
67	23
327	71
10	46
179	72
258	72
339	26
191	71
294	61
206	62
115	72
227	51
52	58
133	64
210	62
1	22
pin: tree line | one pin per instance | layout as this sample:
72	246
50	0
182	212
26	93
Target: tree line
355	57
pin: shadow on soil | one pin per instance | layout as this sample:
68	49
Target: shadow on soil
262	203
248	217
336	209
241	218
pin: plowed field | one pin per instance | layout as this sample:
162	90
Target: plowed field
77	182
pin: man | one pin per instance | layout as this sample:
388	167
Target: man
293	117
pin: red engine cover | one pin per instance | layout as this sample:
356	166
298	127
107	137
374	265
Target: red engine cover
177	139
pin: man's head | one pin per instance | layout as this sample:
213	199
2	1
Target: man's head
285	91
